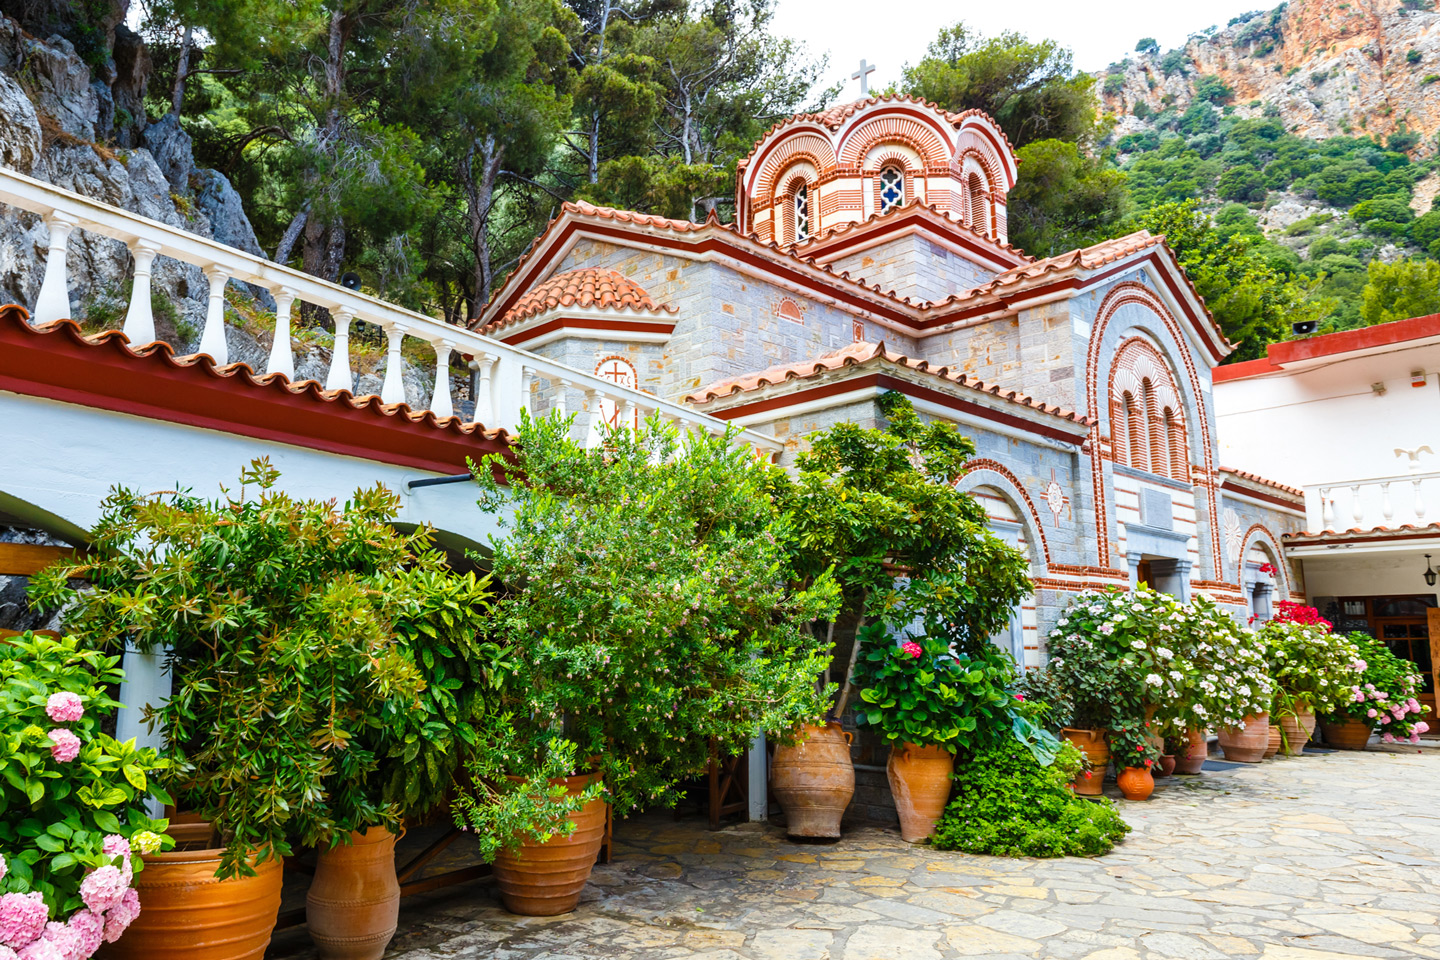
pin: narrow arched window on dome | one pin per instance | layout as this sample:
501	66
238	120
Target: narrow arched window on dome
802	213
979	217
892	188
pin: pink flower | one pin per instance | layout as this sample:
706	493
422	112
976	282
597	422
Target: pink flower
116	846
1372	713
22	918
42	950
1386	738
1385	718
6	953
64	745
1414	738
89	926
1020	697
1422	727
911	649
67	940
122	915
103	888
65	707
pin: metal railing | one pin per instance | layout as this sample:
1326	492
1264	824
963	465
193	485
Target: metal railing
505	375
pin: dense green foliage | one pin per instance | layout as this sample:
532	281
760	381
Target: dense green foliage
651	604
57	812
1006	804
298	709
1383	696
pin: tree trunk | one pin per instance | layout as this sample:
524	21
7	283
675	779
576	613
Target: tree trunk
292	233
324	238
182	70
854	656
480	201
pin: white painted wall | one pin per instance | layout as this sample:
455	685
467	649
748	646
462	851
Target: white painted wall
1326	425
1368	574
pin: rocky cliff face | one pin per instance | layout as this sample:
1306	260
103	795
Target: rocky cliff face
1330	67
87	131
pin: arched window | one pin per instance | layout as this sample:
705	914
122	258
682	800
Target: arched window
1147	425
802	213
979	216
1179	455
1135	433
892	188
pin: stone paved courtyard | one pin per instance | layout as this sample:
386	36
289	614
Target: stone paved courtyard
1319	857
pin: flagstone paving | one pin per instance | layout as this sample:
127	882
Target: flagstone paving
1319	857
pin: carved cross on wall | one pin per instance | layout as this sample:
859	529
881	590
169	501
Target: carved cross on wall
863	75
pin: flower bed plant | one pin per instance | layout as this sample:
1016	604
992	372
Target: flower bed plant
1227	678
1383	696
1312	668
1006	804
73	801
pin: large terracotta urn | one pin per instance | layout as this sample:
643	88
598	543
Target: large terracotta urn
1191	758
920	783
1246	744
1347	735
187	914
1091	743
1272	747
546	879
1297	728
353	904
814	780
1136	783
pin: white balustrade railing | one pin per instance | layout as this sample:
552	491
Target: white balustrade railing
1407	498
504	374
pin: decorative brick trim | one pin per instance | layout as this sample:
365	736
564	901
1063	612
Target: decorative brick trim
1258	531
982	464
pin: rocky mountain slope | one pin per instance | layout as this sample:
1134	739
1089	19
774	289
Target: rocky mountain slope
86	130
1330	67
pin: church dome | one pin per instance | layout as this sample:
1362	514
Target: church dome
815	172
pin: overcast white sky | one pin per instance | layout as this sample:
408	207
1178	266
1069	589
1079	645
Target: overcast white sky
891	33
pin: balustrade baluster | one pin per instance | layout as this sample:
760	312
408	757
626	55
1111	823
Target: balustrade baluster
526	372
629	416
484	413
339	377
1357	509
1386	509
212	339
1419	504
53	300
392	390
560	398
440	403
140	318
282	355
1327	509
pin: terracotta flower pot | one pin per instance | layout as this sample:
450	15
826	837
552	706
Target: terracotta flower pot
1167	765
814	780
1246	744
1273	746
1191	759
920	783
546	879
1347	735
1092	744
354	901
1136	783
187	914
1297	729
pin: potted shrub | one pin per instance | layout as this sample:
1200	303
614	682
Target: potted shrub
1313	670
279	620
1227	683
74	819
1382	699
879	508
646	592
927	703
1135	753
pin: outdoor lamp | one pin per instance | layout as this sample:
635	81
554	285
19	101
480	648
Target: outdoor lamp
1429	572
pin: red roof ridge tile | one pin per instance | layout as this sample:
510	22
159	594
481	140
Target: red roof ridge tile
583	287
1266	481
910	206
857	354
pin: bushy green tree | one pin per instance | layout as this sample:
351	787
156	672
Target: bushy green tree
1399	290
1147	45
1064	198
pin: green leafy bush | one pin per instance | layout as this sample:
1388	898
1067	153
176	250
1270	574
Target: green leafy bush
1383	696
1006	804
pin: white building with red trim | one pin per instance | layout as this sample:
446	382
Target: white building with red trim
869	253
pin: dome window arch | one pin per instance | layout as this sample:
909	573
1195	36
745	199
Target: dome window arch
892	187
800	203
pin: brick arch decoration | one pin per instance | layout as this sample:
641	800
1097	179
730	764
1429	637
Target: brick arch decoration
1125	294
1138	362
782	217
1260	532
802	145
979	136
905	160
897	128
992	473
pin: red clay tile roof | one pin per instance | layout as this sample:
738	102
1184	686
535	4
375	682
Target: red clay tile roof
587	287
859	354
816	244
1256	478
1404	531
59	362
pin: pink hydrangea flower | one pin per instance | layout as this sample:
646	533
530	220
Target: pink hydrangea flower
1386	738
123	914
22	918
64	707
1372	713
64	745
89	926
116	846
6	953
1422	727
41	950
911	648
103	888
67	940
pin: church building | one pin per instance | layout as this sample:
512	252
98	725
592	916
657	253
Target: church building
869	253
